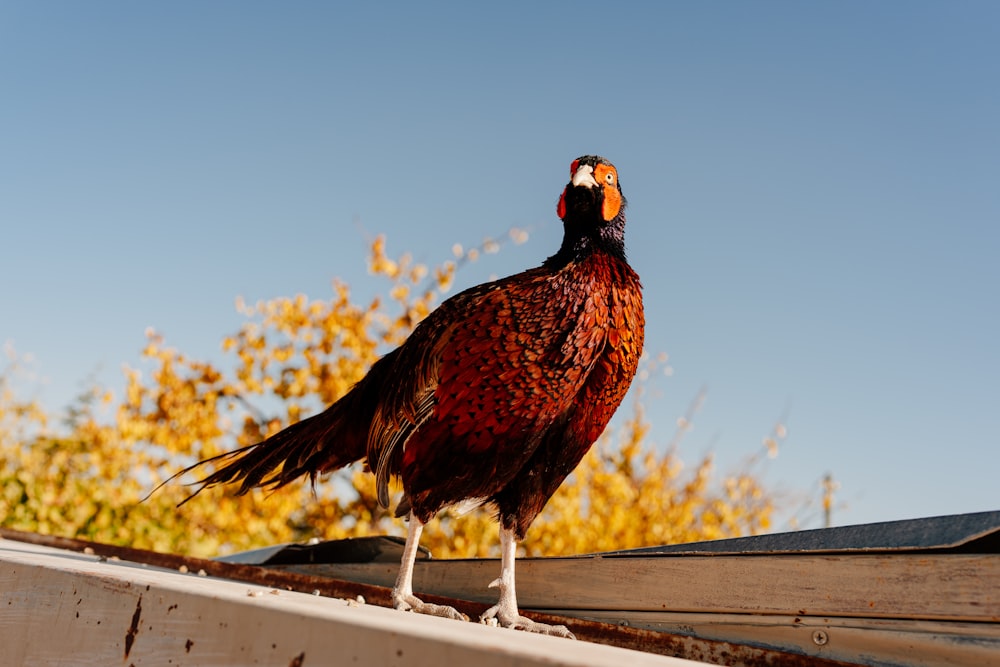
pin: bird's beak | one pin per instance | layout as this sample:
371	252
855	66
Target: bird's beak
584	176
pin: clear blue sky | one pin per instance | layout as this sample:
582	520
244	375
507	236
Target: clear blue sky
814	197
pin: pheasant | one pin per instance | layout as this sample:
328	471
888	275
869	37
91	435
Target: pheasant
492	400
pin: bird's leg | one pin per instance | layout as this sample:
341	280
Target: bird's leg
505	611
402	594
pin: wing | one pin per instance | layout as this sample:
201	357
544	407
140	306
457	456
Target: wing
487	372
517	361
408	390
514	363
406	398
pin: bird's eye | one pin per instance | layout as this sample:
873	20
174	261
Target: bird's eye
610	177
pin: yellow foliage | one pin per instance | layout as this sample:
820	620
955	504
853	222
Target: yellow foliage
292	357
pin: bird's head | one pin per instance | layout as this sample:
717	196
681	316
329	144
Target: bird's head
593	191
592	207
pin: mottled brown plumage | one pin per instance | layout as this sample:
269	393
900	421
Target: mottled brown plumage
495	397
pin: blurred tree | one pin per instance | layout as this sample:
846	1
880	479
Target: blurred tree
292	357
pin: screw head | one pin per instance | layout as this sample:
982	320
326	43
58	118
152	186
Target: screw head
820	637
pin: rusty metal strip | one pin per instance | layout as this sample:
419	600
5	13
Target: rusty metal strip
680	646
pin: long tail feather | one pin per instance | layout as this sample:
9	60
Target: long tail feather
318	444
332	439
329	440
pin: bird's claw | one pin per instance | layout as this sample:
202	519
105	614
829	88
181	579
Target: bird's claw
418	606
493	615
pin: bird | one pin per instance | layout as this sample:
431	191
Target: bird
493	399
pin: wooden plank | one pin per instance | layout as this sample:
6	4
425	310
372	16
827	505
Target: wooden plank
63	608
940	587
863	641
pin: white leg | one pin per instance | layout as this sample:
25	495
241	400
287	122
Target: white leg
402	594
505	612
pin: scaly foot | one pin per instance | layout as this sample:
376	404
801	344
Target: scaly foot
504	613
402	594
416	605
517	622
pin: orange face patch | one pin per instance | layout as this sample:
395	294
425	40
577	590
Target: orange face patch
607	178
